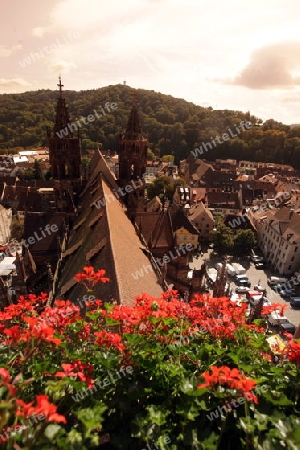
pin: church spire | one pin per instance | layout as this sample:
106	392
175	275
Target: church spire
64	148
133	162
133	130
60	86
62	114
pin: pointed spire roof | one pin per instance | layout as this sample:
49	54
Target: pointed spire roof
133	130
62	114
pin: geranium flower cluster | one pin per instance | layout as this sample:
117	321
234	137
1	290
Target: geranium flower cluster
232	378
89	277
66	349
24	412
79	370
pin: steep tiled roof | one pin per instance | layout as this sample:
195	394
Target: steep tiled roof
154	205
156	229
180	220
108	240
287	221
34	226
197	210
229	199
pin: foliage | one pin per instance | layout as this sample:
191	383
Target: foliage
244	240
150	155
28	174
168	158
37	171
34	172
87	144
149	373
222	236
163	187
229	239
16	230
173	126
85	161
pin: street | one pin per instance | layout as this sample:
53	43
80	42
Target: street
255	276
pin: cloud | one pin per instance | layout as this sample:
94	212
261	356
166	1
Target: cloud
39	31
5	51
272	67
61	66
293	97
11	83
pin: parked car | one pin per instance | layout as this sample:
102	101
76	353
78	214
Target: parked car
286	293
295	302
244	282
284	290
259	265
275	318
241	277
239	269
259	288
288	327
253	293
272	281
230	270
242	289
256	258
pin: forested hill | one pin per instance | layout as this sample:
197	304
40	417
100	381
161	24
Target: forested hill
172	125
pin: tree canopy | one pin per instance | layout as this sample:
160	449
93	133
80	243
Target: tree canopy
173	126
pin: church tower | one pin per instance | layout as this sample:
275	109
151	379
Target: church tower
64	148
132	163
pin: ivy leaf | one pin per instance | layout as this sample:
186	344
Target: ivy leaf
157	415
52	430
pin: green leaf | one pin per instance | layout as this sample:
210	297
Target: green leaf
92	417
278	398
157	415
111	322
52	430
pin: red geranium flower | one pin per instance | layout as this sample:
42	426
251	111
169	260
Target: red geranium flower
90	277
109	340
233	378
293	351
43	407
78	369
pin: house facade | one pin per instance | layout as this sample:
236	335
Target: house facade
279	239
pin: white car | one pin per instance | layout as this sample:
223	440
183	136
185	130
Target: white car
258	288
242	289
272	281
256	258
276	319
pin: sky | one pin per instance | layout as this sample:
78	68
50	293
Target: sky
225	54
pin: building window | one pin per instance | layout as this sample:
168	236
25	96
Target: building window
292	259
296	248
289	268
